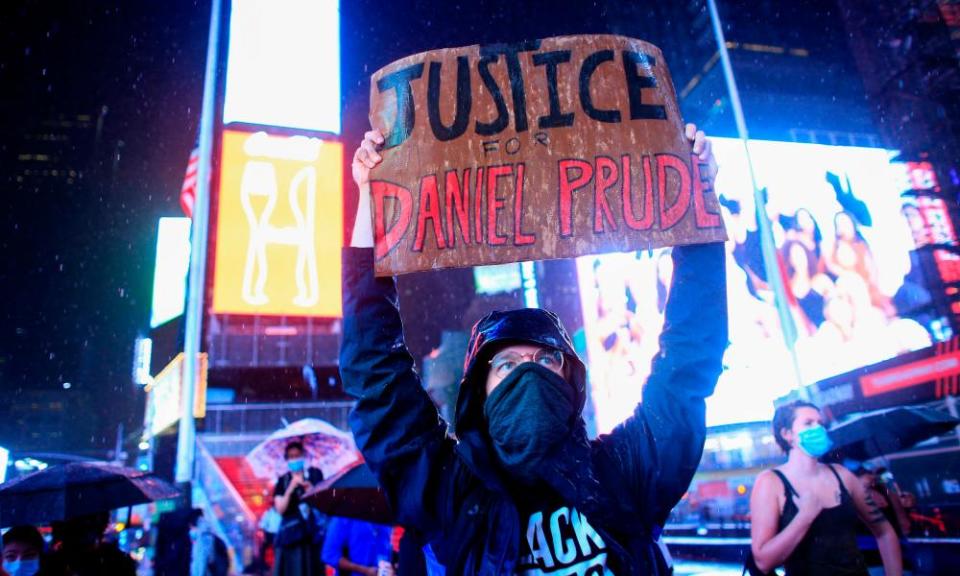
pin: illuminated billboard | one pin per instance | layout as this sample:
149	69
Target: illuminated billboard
164	392
170	270
279	226
844	249
283	64
929	218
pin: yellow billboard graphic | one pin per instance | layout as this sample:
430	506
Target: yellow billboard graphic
279	226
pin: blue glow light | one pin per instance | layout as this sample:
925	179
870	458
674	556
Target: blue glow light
531	298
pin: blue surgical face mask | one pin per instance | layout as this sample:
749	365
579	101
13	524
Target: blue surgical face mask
22	567
295	465
815	441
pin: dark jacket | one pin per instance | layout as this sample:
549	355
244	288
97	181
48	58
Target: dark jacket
625	482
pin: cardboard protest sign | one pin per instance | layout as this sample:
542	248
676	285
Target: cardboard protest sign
549	148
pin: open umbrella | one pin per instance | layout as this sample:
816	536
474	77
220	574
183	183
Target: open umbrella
326	446
887	431
75	489
352	493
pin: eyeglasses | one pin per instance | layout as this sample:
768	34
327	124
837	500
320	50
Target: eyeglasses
504	363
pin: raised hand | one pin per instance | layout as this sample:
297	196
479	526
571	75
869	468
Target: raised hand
365	158
703	148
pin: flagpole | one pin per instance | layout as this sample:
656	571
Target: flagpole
788	327
193	318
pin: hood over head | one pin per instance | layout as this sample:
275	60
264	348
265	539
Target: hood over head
502	328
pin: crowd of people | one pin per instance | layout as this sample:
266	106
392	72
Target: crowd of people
805	515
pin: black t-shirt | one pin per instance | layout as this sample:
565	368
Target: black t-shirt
313	475
556	539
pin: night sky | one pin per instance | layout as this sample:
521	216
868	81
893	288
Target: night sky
77	270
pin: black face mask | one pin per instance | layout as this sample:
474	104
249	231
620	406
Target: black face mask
528	414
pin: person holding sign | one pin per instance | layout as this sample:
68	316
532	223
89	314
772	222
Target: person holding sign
521	490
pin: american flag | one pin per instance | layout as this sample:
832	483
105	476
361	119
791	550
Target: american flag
188	192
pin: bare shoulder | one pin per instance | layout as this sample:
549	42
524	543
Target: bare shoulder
767	495
770	475
768	482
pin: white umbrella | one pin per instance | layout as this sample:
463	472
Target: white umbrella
326	447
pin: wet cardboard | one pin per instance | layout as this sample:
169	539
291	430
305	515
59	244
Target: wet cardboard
551	148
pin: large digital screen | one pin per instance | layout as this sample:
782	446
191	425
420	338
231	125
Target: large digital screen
279	226
283	64
170	270
844	251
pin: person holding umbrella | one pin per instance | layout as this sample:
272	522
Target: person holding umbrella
75	498
522	490
804	513
80	549
296	552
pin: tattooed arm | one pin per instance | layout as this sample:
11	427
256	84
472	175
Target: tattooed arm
873	517
894	496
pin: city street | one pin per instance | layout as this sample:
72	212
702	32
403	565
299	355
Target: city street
318	287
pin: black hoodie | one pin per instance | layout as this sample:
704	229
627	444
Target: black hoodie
609	496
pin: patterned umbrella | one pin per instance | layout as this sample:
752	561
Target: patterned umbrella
327	447
76	489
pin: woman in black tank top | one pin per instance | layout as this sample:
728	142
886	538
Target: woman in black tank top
804	514
830	544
